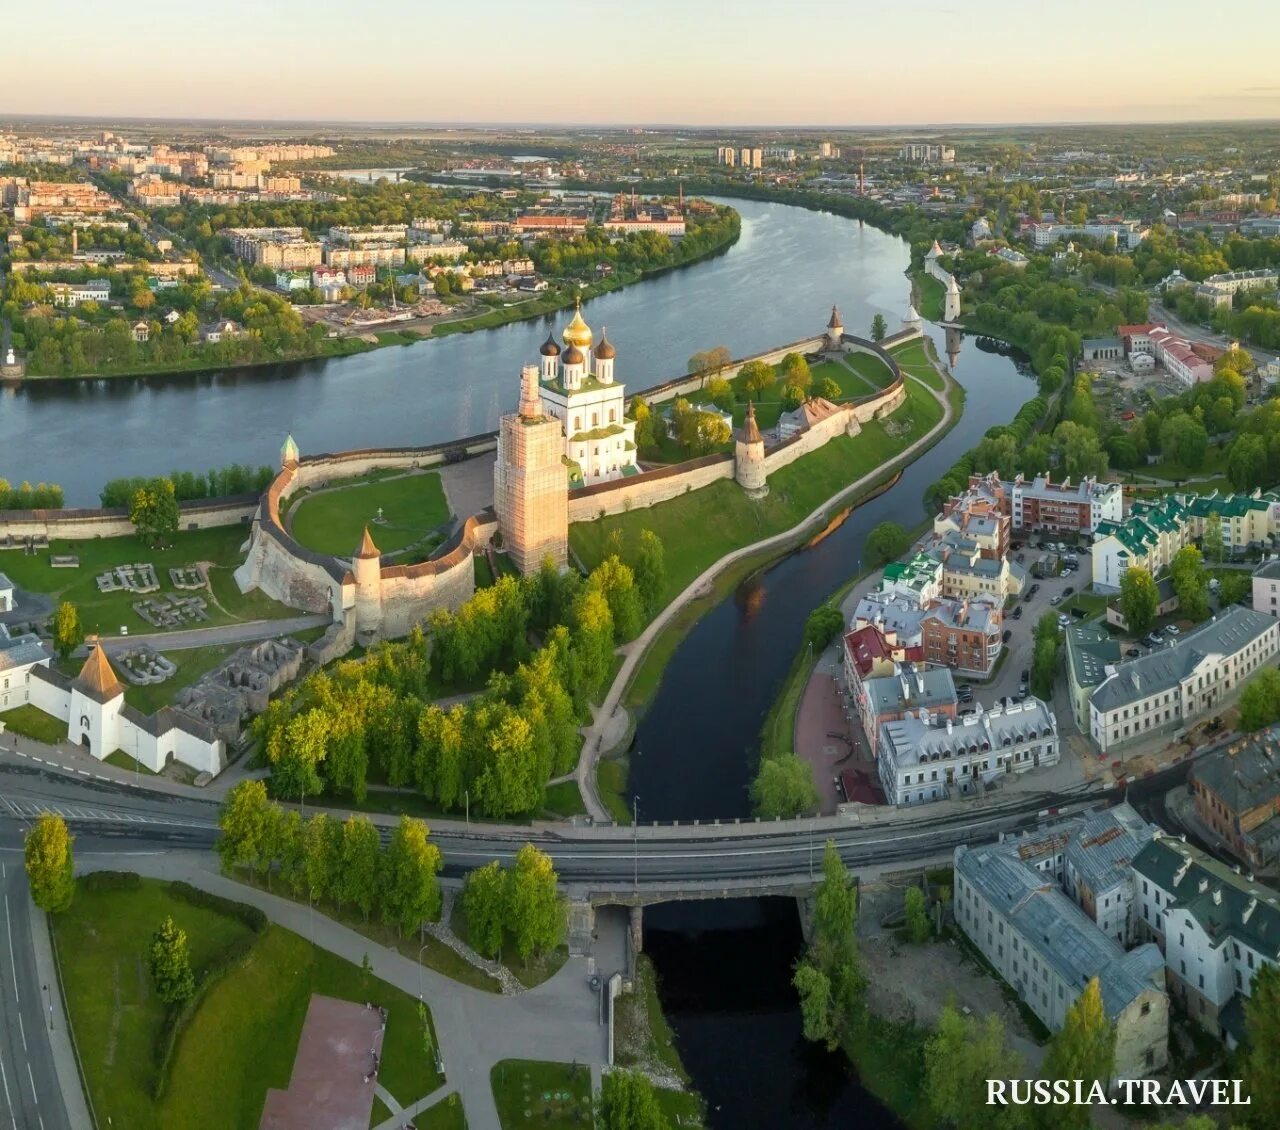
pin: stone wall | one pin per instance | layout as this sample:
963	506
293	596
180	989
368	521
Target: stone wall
648	488
82	524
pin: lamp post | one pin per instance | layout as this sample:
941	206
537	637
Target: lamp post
420	953
467	794
49	998
635	839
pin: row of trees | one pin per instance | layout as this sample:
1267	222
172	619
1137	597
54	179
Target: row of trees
521	902
42	496
220	482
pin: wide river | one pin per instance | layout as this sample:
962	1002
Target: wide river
724	967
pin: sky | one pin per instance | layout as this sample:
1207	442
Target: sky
687	62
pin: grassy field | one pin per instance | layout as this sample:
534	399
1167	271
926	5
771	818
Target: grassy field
911	358
332	521
564	799
191	662
529	973
122	760
555	1096
611	783
932	295
699	528
447	1114
106	613
32	722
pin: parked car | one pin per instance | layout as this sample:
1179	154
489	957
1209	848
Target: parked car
1068	590
1035	588
1132	653
1016	614
1172	629
964	692
1063	621
1056	599
1008	635
1020	558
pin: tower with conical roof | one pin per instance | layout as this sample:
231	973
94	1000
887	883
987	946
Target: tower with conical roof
951	306
93	716
288	453
911	319
531	481
366	568
835	329
748	456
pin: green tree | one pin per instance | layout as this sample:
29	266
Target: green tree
795	372
887	542
1139	599
961	1055
244	821
817	1007
757	378
410	887
1212	542
879	328
1260	700
1262	1063
1183	440
47	856
359	855
617	582
1247	462
170	964
535	914
153	510
650	571
68	634
829	389
1044	656
698	431
720	393
484	902
628	1102
917	916
1084	1049
1190	582
320	855
824	623
792	397
784	787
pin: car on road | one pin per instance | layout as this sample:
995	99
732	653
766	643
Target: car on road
964	692
1035	588
1068	590
1063	621
1132	653
1153	640
1056	599
1008	635
1016	614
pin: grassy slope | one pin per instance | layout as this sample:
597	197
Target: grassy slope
32	722
911	358
332	521
931	293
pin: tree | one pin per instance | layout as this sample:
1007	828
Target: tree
708	362
816	1004
1190	582
792	397
534	910
720	393
643	416
67	631
243	820
1262	1065
1044	656
47	855
879	328
320	856
153	510
795	372
1260	700
917	917
1212	542
961	1055
359	849
784	787
1138	599
616	581
823	625
757	378
628	1102
829	389
698	431
1247	462
1183	440
650	571
410	889
170	964
484	902
887	542
1084	1049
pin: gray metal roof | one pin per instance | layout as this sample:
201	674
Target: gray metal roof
1103	849
1059	931
5	583
911	687
1268	570
1165	668
912	739
21	651
1090	650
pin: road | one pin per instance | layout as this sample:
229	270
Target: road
218	635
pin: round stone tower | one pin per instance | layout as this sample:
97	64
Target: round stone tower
748	457
366	566
835	330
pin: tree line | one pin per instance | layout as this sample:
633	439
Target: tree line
42	496
188	486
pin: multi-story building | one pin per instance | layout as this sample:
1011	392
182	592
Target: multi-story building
452	249
925	154
1236	792
278	248
561	221
918	579
292	280
628	214
750	158
376	233
18	655
963	634
1064	507
1092	655
365	254
880	698
1169	688
1266	587
72	294
362	275
982	513
726	155
923	757
1128	233
1217	928
1047	949
1221	289
968	571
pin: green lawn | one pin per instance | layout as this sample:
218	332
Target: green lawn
555	1096
700	527
32	722
122	760
872	370
529	973
115	1013
931	294
611	783
1214	464
380	1112
106	613
564	799
332	521
447	1114
191	662
911	358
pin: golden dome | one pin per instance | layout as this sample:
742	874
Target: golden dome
578	332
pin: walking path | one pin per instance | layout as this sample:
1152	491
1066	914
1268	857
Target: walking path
609	720
248	632
557	1021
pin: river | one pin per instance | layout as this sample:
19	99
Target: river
725	967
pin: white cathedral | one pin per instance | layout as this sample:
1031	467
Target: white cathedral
578	389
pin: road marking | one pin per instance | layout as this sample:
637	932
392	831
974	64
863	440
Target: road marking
13	965
23	1029
34	1097
4	1077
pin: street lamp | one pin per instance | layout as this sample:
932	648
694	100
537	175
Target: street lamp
49	997
420	953
635	839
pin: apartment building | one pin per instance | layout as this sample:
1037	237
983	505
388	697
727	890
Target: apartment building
376	233
1065	507
1216	927
70	295
1236	792
1221	289
905	686
1266	587
918	579
364	254
1128	233
278	248
1093	654
925	756
1167	689
963	634
1047	949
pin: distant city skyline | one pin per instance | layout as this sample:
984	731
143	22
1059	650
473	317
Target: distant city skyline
815	63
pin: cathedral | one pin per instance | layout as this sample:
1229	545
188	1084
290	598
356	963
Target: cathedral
578	389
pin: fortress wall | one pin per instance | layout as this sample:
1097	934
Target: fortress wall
681	386
908	333
82	524
646	489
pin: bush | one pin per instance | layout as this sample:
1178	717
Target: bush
250	916
110	881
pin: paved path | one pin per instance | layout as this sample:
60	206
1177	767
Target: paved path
609	721
219	635
558	1021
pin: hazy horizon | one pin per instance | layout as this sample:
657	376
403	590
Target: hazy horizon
810	64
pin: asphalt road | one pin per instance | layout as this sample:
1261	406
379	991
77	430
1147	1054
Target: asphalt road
29	1092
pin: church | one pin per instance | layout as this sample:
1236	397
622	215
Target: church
577	387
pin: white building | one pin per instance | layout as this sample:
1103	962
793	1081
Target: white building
1047	949
1167	689
578	389
1128	233
72	294
1042	504
924	757
1266	588
1217	929
6	594
18	656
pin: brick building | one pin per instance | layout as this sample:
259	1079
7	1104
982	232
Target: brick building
962	634
1237	794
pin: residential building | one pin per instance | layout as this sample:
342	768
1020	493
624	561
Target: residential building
1093	654
452	249
968	571
1236	792
376	233
981	513
71	295
1011	258
919	579
925	154
1047	949
18	655
923	757
750	157
1128	233
963	634
1167	689
1266	587
1098	874
364	254
877	699
726	155
1217	928
893	612
1166	602
214	332
279	248
1079	508
362	276
1221	289
292	280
